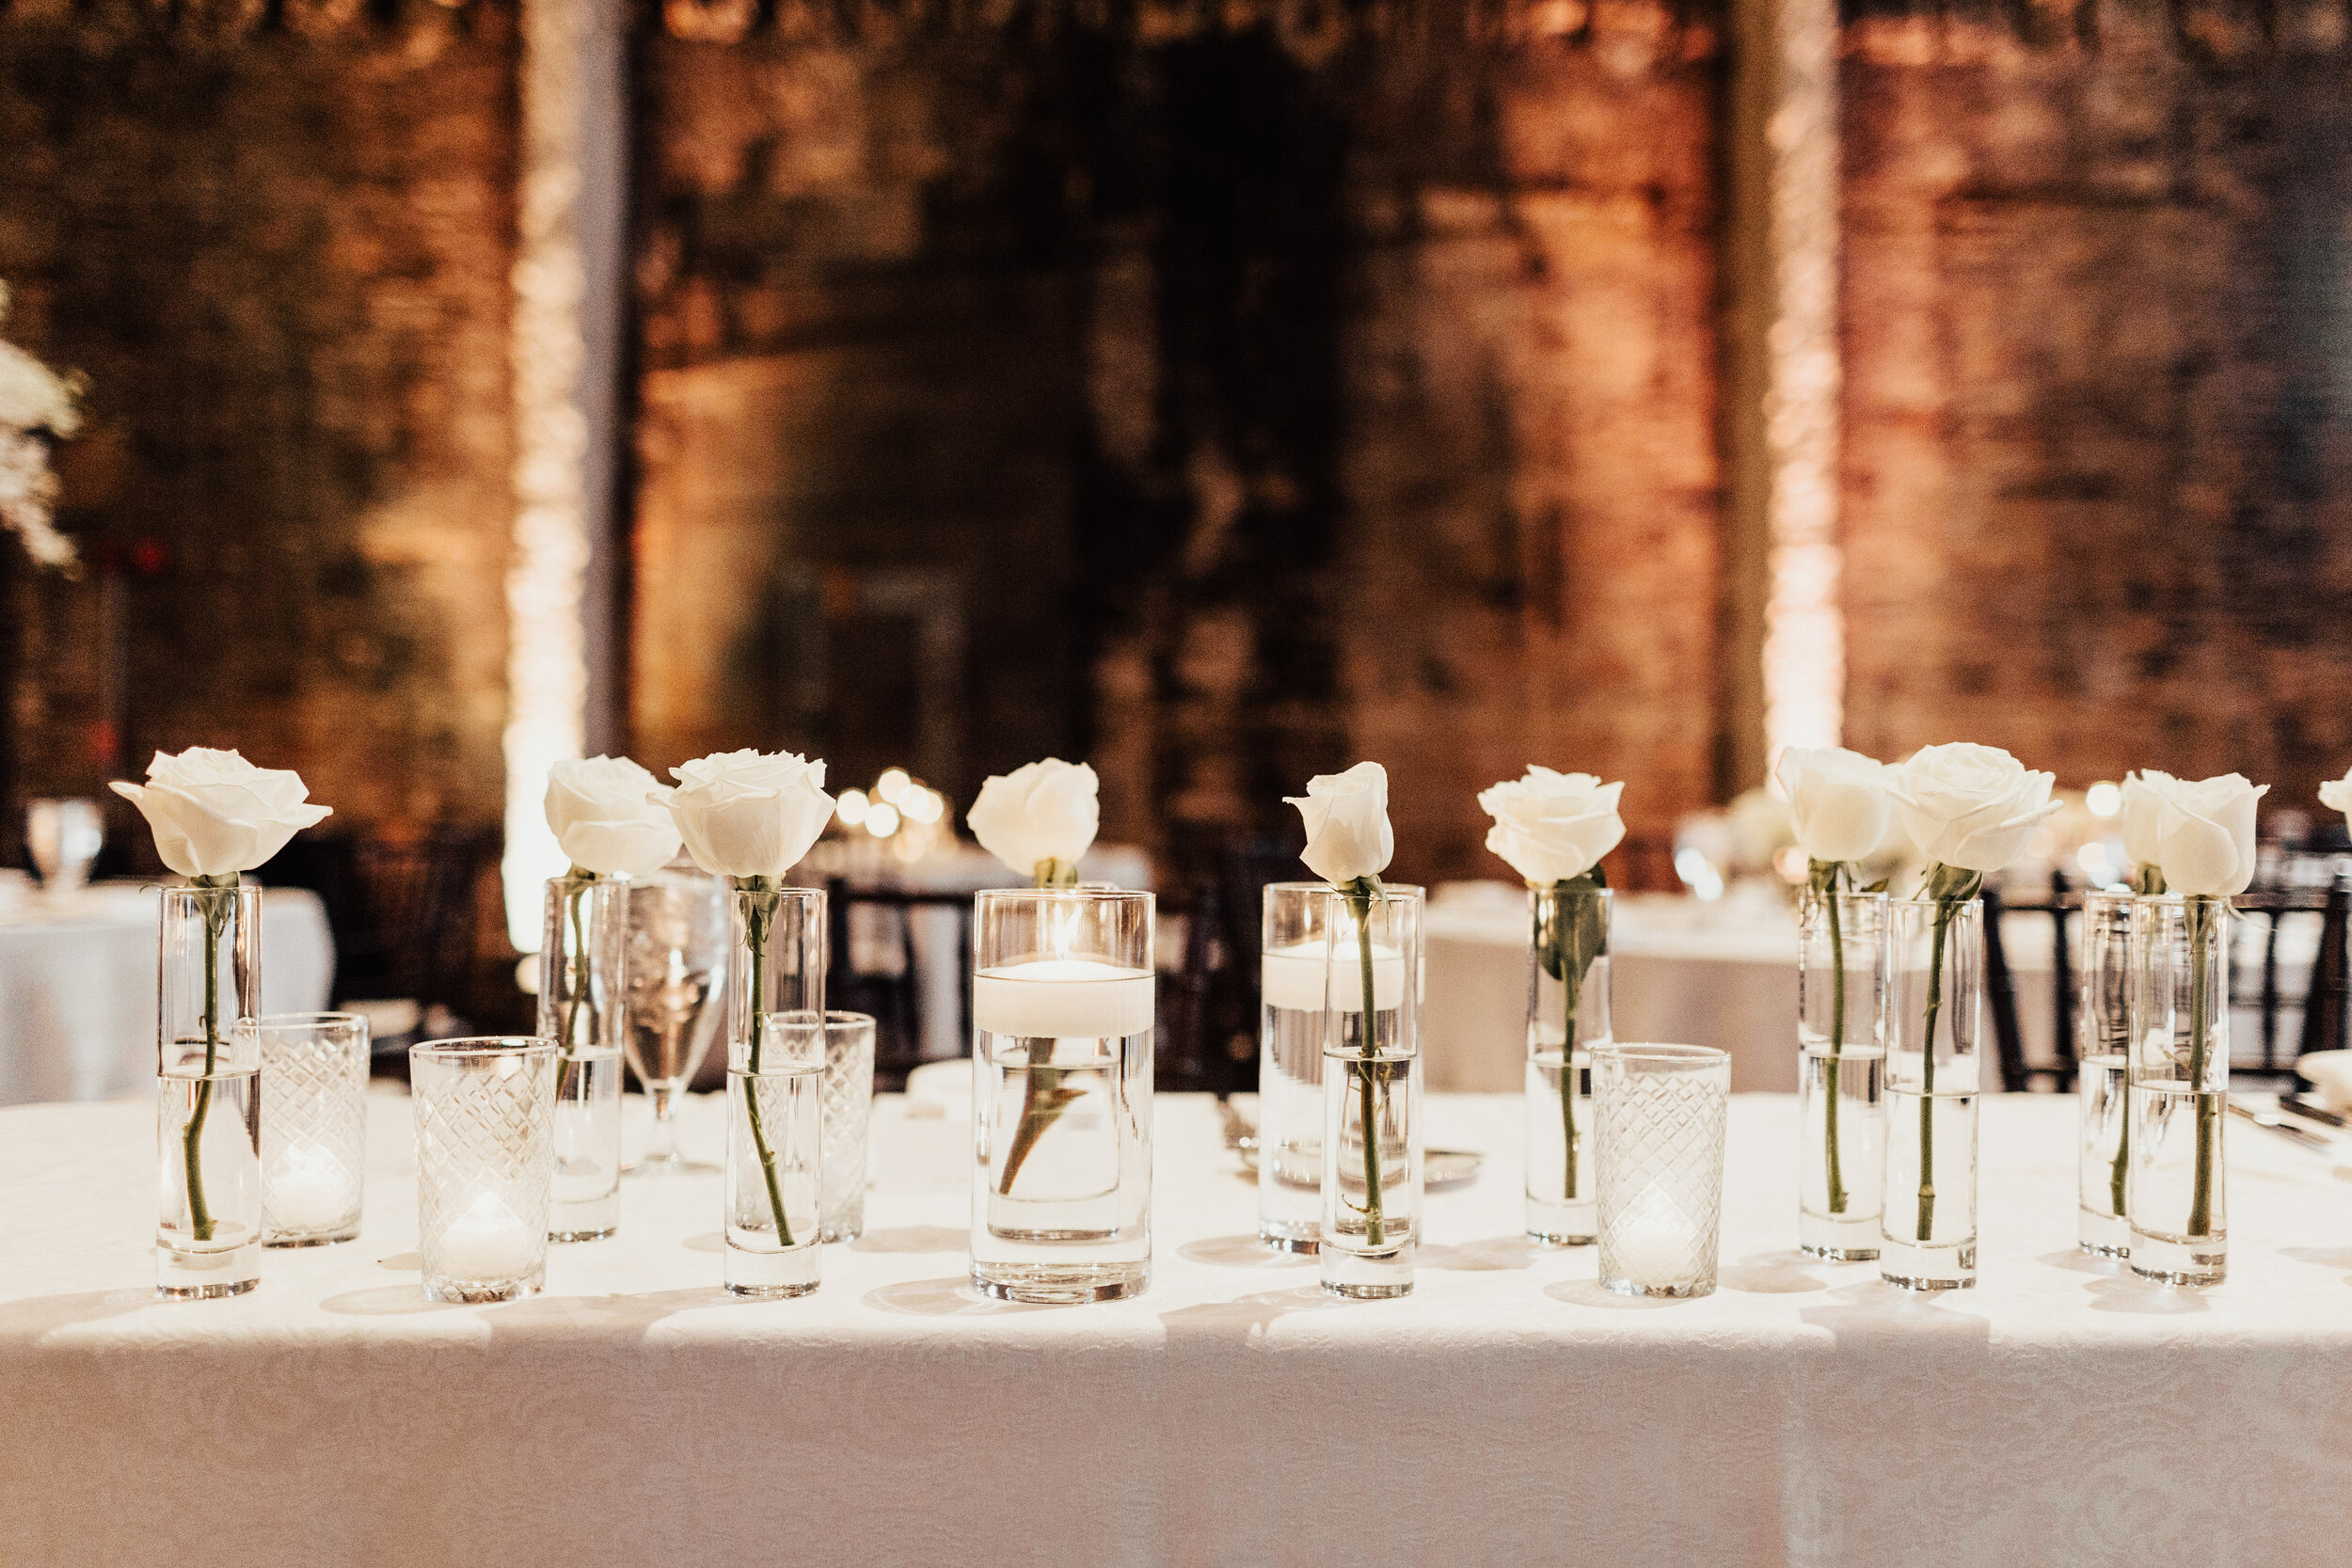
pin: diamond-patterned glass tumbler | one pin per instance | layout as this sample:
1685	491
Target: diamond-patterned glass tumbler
847	1089
1658	1113
486	1164
315	1086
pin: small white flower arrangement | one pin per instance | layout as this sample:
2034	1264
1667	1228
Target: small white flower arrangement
37	406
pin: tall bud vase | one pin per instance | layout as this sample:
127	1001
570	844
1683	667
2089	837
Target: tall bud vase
1372	1091
1567	1016
1297	921
582	1009
2179	1088
776	992
208	1119
1841	1077
1928	1222
2102	1224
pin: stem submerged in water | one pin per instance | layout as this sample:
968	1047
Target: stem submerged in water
2201	912
217	899
761	896
1836	1045
1359	895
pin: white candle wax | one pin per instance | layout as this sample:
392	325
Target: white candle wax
487	1243
1062	999
1292	976
1656	1244
307	1191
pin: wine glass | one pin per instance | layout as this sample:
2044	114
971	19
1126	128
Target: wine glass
65	836
680	933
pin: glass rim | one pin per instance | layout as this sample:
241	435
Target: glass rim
484	1047
309	1021
1917	902
1645	1051
1129	896
841	1018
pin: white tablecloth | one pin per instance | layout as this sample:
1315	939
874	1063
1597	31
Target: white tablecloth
1509	1412
1678	971
77	986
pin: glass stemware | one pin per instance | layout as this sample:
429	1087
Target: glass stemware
65	837
680	938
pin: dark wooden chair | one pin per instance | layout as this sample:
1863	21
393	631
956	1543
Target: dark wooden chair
2000	988
893	992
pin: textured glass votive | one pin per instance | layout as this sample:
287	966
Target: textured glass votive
314	1123
207	1140
1659	1114
1372	1091
775	1157
849	1103
486	1164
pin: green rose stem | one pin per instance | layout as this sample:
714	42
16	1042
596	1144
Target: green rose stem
576	1015
1359	895
217	896
1825	877
1043	1097
1950	887
1566	951
760	896
2150	881
2202	909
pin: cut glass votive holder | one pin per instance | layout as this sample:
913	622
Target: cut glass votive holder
314	1088
775	1157
1659	1115
848	1095
486	1164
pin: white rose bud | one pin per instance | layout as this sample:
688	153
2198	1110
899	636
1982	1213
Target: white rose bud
1046	810
2206	835
748	814
603	814
1347	823
1971	807
215	814
2143	799
2336	795
1837	801
1551	826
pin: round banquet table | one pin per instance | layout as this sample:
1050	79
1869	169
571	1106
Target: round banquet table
77	985
1693	973
1508	1412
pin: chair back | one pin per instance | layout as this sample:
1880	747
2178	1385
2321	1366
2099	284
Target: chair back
888	952
2000	987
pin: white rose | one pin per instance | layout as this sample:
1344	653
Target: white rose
2143	799
603	814
215	814
1551	827
748	814
1971	807
1046	810
2336	795
2206	833
1837	801
1347	823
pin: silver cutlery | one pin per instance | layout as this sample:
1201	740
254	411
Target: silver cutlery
2272	1121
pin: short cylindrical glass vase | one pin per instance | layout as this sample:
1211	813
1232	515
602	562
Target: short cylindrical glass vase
2104	1027
583	1009
1567	1016
1295	919
315	1127
486	1164
1063	1018
2179	1088
848	1104
1842	1073
1660	1116
208	1117
775	1157
1371	1095
1934	1011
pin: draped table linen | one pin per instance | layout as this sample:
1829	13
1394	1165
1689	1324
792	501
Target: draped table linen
1508	1412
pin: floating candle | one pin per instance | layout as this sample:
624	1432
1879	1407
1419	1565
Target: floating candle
1656	1245
1062	999
487	1241
1291	977
307	1191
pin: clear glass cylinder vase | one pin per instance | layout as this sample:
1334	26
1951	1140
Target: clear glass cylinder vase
2103	1030
775	1159
1567	1017
208	1139
1371	1095
1295	919
681	938
315	1127
583	1009
1841	1072
1934	1015
1062	1017
484	1110
2179	1088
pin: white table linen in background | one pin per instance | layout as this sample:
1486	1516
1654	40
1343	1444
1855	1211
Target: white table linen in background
1509	1412
77	986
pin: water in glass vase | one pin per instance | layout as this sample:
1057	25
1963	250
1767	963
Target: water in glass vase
2176	1239
1943	1256
1062	1173
1839	1206
1561	1206
587	1192
1290	1124
1367	1248
763	1258
2104	1229
214	1250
